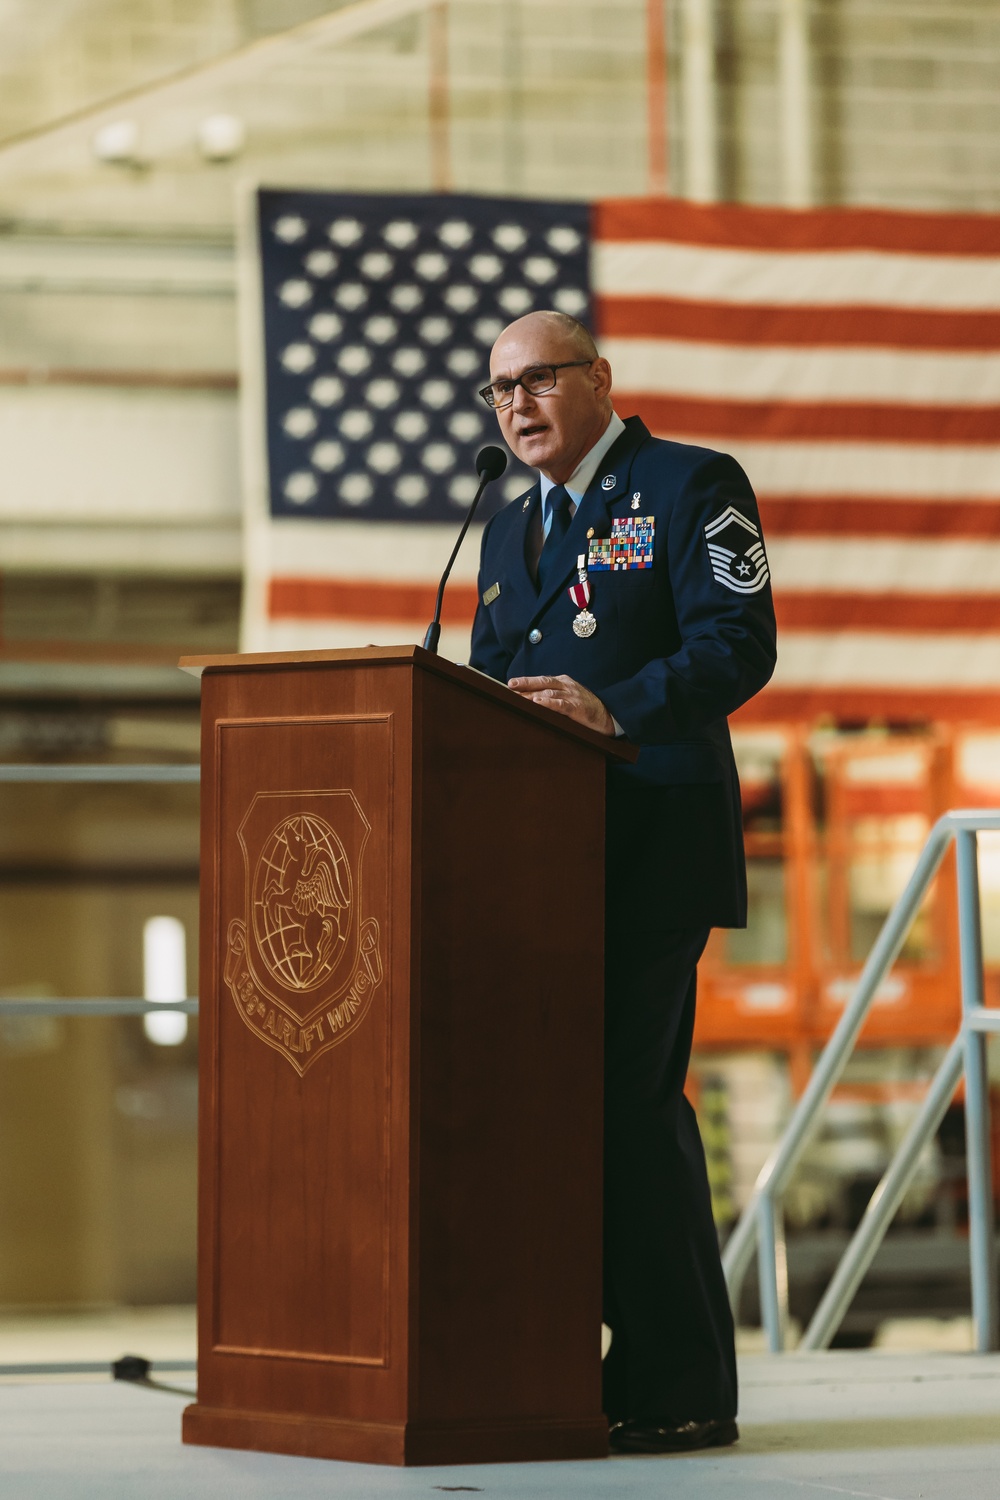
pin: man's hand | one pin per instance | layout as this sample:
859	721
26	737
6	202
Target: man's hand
566	697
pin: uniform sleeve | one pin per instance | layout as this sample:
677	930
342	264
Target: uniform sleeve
486	654
725	619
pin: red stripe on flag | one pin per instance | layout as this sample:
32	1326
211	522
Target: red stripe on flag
876	515
780	229
347	599
342	599
819	420
812	327
775	705
909	613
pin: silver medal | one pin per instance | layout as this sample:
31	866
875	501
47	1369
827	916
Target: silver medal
584	625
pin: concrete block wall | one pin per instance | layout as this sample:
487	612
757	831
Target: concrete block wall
919	118
129	273
546	97
905	107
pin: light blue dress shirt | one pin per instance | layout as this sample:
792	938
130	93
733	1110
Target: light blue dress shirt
579	481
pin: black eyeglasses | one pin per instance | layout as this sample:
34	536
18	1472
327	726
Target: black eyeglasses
538	379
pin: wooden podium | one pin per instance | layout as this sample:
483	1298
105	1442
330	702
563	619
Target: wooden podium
401	1064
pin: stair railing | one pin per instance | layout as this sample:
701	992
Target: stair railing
761	1225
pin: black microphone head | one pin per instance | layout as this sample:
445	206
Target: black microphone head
490	463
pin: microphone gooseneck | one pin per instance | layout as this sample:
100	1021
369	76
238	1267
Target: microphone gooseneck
490	464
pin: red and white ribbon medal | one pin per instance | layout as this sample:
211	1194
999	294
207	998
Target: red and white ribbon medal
584	625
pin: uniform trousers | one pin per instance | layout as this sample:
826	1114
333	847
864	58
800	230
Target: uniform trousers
672	1357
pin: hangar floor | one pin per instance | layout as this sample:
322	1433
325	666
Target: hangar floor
878	1425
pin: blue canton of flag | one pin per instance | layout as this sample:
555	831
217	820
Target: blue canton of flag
379	314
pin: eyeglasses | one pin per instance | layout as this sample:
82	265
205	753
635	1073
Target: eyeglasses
538	379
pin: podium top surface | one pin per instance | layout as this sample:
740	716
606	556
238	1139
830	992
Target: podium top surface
427	661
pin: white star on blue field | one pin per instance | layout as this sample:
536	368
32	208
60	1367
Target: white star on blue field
379	314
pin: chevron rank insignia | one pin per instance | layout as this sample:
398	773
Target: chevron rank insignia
736	552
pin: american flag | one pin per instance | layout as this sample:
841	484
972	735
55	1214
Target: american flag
850	359
378	317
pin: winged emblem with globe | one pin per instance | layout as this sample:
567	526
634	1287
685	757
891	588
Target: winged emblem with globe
303	961
302	912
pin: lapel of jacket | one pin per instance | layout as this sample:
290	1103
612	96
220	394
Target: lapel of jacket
514	561
595	507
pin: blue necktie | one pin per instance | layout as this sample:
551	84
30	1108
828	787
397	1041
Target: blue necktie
559	503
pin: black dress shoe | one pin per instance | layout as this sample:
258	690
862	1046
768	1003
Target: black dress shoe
686	1437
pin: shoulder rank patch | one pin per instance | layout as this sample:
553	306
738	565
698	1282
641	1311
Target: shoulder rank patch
493	592
736	552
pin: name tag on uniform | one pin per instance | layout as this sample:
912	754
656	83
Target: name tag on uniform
629	546
493	592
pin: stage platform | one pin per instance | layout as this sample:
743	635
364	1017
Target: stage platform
879	1425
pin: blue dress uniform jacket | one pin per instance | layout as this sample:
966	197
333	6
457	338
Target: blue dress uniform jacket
678	646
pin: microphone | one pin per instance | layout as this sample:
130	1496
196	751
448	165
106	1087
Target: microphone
490	464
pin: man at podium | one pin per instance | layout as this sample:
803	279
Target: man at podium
629	589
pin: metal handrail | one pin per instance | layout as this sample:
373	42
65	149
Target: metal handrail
139	772
761	1223
103	1005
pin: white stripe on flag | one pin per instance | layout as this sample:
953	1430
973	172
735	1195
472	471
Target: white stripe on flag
860	659
735	372
874	565
908	471
392	552
809	278
323	635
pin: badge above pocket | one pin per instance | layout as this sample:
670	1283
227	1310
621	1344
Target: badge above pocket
630	546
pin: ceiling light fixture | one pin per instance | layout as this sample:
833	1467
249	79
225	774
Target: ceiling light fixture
221	137
117	142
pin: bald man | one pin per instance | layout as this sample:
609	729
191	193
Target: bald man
629	590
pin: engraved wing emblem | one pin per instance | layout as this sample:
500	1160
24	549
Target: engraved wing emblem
319	888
